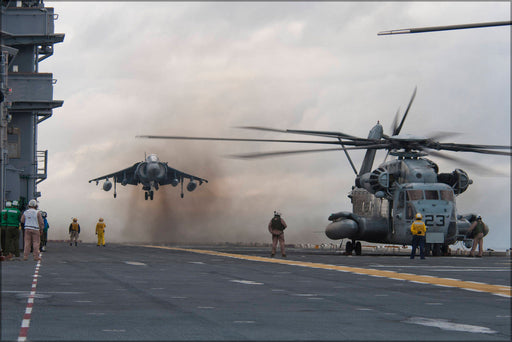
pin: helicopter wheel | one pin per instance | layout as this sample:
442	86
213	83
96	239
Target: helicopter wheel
348	248
151	195
358	248
146	195
436	249
444	250
428	249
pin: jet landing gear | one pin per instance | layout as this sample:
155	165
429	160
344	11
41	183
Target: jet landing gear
148	194
351	246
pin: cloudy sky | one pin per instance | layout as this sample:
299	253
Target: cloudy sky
192	68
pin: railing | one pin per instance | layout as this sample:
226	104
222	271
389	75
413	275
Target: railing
42	166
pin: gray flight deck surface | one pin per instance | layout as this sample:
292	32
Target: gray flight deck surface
129	292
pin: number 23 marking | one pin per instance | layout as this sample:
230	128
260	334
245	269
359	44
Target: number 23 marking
437	220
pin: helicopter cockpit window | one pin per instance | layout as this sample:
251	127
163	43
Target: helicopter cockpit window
414	195
447	195
431	195
410	211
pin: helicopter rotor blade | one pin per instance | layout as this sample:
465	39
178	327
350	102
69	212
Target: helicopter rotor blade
395	122
489	149
444	28
442	135
169	137
478	168
399	128
257	155
265	129
461	147
281	153
327	133
305	132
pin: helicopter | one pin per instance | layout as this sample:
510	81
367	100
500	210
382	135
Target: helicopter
386	199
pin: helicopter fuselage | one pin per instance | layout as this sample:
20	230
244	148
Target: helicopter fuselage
386	200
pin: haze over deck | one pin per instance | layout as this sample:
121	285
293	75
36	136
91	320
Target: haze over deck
130	68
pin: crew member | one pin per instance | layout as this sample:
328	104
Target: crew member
276	227
34	224
74	232
12	234
479	231
100	231
3	227
418	230
44	236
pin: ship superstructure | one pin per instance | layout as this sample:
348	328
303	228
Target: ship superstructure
27	38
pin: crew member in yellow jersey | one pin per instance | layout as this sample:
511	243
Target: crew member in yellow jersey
418	230
100	231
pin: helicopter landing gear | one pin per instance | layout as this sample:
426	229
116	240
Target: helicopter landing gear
148	194
436	249
348	248
351	246
358	248
445	250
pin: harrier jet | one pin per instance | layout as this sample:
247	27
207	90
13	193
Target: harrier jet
151	173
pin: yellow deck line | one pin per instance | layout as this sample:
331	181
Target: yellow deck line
501	290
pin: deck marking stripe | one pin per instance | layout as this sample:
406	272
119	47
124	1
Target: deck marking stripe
500	290
25	323
446	325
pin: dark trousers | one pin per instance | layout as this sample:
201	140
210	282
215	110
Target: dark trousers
418	240
3	237
12	243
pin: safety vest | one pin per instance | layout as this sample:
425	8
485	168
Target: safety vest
31	219
479	228
75	227
277	224
3	217
418	228
13	217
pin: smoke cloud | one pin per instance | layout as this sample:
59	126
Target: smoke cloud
199	69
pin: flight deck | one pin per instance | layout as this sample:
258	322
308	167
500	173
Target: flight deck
228	292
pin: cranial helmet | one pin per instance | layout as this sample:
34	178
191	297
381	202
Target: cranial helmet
8	204
44	214
15	203
418	216
32	203
75	219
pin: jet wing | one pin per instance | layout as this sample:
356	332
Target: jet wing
126	174
177	174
